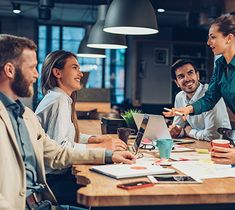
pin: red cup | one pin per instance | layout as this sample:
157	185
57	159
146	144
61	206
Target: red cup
220	143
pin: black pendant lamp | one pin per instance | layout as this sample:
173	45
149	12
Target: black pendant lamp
87	52
131	17
100	39
16	8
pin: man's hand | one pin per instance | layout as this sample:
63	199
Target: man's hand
222	155
187	130
175	130
107	142
183	110
123	157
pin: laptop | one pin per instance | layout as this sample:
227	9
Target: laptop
157	128
142	127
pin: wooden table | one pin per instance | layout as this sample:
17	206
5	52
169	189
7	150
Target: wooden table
102	192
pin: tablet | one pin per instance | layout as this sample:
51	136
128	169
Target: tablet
176	179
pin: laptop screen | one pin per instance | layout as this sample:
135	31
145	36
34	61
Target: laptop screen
140	133
156	128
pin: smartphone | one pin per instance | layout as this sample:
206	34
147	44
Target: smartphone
135	185
176	179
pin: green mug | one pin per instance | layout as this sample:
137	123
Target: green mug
164	146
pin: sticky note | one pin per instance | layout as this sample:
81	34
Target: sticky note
202	151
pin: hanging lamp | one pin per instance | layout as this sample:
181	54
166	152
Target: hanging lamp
131	17
16	8
87	52
101	39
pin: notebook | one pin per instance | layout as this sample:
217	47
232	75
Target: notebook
143	124
119	171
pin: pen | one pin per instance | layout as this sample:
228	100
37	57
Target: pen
169	110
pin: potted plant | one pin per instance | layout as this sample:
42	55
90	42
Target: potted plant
128	117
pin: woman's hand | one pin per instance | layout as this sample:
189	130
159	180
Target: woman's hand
183	111
107	142
223	155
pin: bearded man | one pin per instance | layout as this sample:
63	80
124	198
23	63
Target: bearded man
25	149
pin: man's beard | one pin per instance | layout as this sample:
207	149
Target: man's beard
20	85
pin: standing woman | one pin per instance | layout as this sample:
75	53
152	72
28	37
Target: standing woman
221	40
56	112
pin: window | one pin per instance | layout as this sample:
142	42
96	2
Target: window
115	74
102	74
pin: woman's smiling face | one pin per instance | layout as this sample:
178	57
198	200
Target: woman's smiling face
217	41
70	76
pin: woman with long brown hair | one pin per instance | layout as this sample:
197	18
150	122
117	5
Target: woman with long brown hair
60	80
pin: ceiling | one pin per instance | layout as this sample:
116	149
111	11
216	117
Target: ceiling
178	12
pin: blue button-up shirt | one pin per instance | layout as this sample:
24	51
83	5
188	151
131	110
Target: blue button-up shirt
15	110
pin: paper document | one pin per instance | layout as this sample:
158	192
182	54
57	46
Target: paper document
142	167
181	148
184	156
204	170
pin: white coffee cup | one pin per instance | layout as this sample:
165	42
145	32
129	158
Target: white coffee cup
220	143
